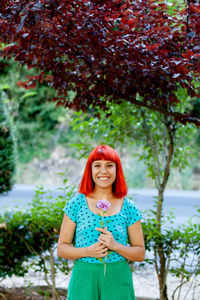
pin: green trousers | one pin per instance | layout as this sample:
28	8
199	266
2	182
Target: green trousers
89	283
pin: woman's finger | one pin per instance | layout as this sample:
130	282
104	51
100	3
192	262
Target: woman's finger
103	230
101	240
104	247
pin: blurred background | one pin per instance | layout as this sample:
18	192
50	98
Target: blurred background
48	139
47	145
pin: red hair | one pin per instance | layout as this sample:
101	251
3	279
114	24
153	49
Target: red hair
104	152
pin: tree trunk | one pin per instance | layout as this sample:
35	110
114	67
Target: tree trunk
162	272
163	269
163	289
53	279
159	207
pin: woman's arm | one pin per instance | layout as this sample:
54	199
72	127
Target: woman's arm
64	248
67	251
134	252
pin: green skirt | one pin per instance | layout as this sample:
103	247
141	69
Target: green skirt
89	283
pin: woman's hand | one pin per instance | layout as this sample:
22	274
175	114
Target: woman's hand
107	239
97	250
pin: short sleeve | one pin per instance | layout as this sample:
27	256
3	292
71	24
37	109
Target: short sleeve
71	208
134	214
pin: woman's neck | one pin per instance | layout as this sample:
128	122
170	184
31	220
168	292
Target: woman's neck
99	193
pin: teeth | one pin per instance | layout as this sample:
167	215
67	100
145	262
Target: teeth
103	178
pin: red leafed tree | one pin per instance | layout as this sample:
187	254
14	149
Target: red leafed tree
125	50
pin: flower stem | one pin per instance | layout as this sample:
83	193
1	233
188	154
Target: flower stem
105	266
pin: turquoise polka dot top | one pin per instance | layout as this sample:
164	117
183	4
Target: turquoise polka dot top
85	234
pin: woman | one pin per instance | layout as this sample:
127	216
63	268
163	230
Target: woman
103	179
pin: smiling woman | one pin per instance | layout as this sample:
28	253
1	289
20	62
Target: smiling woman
103	179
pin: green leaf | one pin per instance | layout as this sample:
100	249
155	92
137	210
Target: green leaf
5	87
101	223
107	222
99	258
29	94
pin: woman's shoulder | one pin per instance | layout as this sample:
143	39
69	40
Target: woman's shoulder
73	206
129	202
76	199
133	213
131	205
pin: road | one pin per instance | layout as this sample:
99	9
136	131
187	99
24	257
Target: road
182	203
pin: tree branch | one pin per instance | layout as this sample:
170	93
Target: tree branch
183	117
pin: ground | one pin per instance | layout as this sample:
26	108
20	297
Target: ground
29	293
36	293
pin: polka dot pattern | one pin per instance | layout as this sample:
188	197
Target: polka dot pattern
86	221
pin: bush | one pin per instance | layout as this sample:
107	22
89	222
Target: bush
31	233
180	245
20	235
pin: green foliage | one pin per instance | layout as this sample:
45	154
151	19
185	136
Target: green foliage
47	214
180	246
35	117
25	237
7	150
33	233
46	207
125	126
13	237
112	127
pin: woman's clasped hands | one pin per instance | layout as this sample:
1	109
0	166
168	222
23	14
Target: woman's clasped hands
97	250
105	242
106	238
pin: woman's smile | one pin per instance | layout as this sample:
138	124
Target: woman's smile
104	178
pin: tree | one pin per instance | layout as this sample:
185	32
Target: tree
7	150
163	148
140	51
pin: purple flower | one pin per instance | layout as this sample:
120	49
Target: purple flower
103	204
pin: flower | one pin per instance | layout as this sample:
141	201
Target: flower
103	204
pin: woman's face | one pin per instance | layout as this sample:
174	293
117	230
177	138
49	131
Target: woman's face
103	173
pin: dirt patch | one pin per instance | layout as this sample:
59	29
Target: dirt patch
30	293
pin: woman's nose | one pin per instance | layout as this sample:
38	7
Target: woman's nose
103	170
